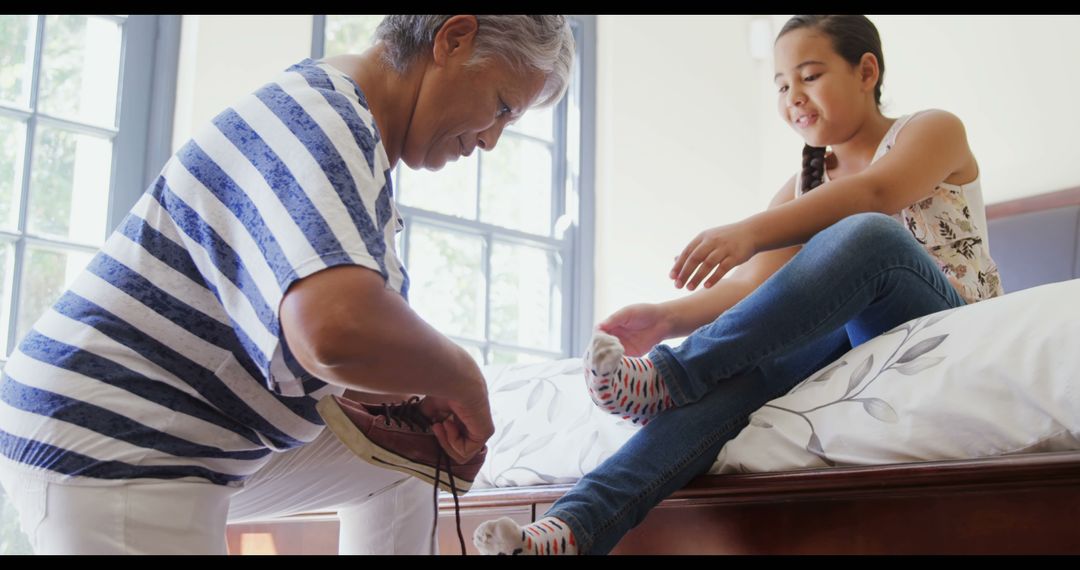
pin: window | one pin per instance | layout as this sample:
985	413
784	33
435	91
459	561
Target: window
81	136
498	245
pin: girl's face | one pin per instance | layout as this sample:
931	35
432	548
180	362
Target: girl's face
819	94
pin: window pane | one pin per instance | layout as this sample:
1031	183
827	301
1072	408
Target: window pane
69	185
46	274
349	34
12	539
447	275
526	296
16	58
516	185
503	356
451	190
80	68
7	271
536	122
12	148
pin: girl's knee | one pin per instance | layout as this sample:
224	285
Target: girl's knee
869	227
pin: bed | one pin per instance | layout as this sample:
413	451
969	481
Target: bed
1010	484
984	459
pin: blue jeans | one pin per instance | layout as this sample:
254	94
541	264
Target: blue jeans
862	276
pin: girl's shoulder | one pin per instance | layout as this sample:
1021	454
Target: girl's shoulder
929	129
930	122
938	132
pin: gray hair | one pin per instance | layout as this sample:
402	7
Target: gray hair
542	43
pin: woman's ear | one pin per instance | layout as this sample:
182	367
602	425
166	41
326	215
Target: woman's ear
454	39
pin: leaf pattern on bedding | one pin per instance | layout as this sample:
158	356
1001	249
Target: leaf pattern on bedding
911	361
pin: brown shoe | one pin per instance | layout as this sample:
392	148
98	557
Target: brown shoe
398	437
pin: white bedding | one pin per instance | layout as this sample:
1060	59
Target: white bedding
998	377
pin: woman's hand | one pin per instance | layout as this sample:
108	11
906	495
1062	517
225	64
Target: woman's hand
639	327
462	426
722	248
462	422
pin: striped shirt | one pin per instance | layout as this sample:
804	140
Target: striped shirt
165	358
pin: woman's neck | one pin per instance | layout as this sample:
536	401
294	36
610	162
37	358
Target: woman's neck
391	96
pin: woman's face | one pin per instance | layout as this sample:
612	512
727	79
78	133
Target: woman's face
459	109
819	94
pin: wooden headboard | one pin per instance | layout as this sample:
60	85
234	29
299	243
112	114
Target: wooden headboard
1036	240
1048	201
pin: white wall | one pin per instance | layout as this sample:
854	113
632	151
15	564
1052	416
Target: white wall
677	147
223	58
1013	80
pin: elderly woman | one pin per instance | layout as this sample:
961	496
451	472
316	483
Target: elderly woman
173	387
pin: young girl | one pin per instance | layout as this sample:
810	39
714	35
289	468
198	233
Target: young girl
822	270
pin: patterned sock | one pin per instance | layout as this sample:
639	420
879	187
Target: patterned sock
548	535
626	386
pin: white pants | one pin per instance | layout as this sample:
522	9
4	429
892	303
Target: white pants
380	511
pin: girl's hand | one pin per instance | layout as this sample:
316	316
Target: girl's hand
722	248
638	327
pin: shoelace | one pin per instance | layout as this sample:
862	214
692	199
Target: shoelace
408	414
453	491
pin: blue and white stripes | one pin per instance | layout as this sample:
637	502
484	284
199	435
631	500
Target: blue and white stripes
164	359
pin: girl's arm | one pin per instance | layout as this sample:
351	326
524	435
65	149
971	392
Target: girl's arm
641	326
933	147
690	312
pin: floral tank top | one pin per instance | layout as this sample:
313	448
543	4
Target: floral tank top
951	224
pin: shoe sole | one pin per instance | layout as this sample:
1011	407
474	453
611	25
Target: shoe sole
354	439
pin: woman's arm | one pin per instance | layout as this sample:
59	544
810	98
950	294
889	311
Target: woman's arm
344	326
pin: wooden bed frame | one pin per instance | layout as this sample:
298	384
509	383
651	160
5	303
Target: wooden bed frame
1001	505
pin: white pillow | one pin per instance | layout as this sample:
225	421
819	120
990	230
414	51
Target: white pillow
547	430
997	377
994	378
